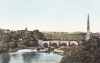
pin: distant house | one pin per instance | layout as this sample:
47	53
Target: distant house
22	30
96	34
7	31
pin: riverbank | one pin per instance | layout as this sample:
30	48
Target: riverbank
51	49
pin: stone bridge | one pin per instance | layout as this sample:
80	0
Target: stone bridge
57	43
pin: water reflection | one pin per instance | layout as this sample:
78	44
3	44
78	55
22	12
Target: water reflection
4	58
28	57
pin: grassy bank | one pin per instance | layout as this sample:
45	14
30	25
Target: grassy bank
64	36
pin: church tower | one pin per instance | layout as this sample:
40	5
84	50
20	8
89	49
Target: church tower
88	29
26	29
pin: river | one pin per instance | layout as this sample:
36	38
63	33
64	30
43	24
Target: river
29	56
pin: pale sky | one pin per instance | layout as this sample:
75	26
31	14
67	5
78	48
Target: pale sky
50	15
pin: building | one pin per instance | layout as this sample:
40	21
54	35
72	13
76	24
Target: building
88	29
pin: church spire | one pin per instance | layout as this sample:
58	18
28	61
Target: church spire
26	29
88	24
88	28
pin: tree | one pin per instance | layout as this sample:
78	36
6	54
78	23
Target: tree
37	34
29	39
6	37
4	47
13	44
88	54
92	43
25	42
16	36
34	43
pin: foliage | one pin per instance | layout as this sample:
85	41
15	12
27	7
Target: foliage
37	34
25	42
79	56
89	53
15	36
33	43
69	55
4	47
29	43
29	39
91	44
21	46
6	37
13	44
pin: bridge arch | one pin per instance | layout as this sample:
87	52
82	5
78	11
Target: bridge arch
54	44
57	43
63	44
45	45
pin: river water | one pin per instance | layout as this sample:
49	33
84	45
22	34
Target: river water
29	56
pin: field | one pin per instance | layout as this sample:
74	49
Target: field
64	36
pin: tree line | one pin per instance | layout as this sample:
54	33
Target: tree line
18	38
89	52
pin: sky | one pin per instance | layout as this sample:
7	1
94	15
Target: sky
50	15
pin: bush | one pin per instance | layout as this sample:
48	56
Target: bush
82	56
25	42
89	54
21	46
29	43
32	43
4	47
13	45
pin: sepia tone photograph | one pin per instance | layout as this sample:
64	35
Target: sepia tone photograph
49	31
